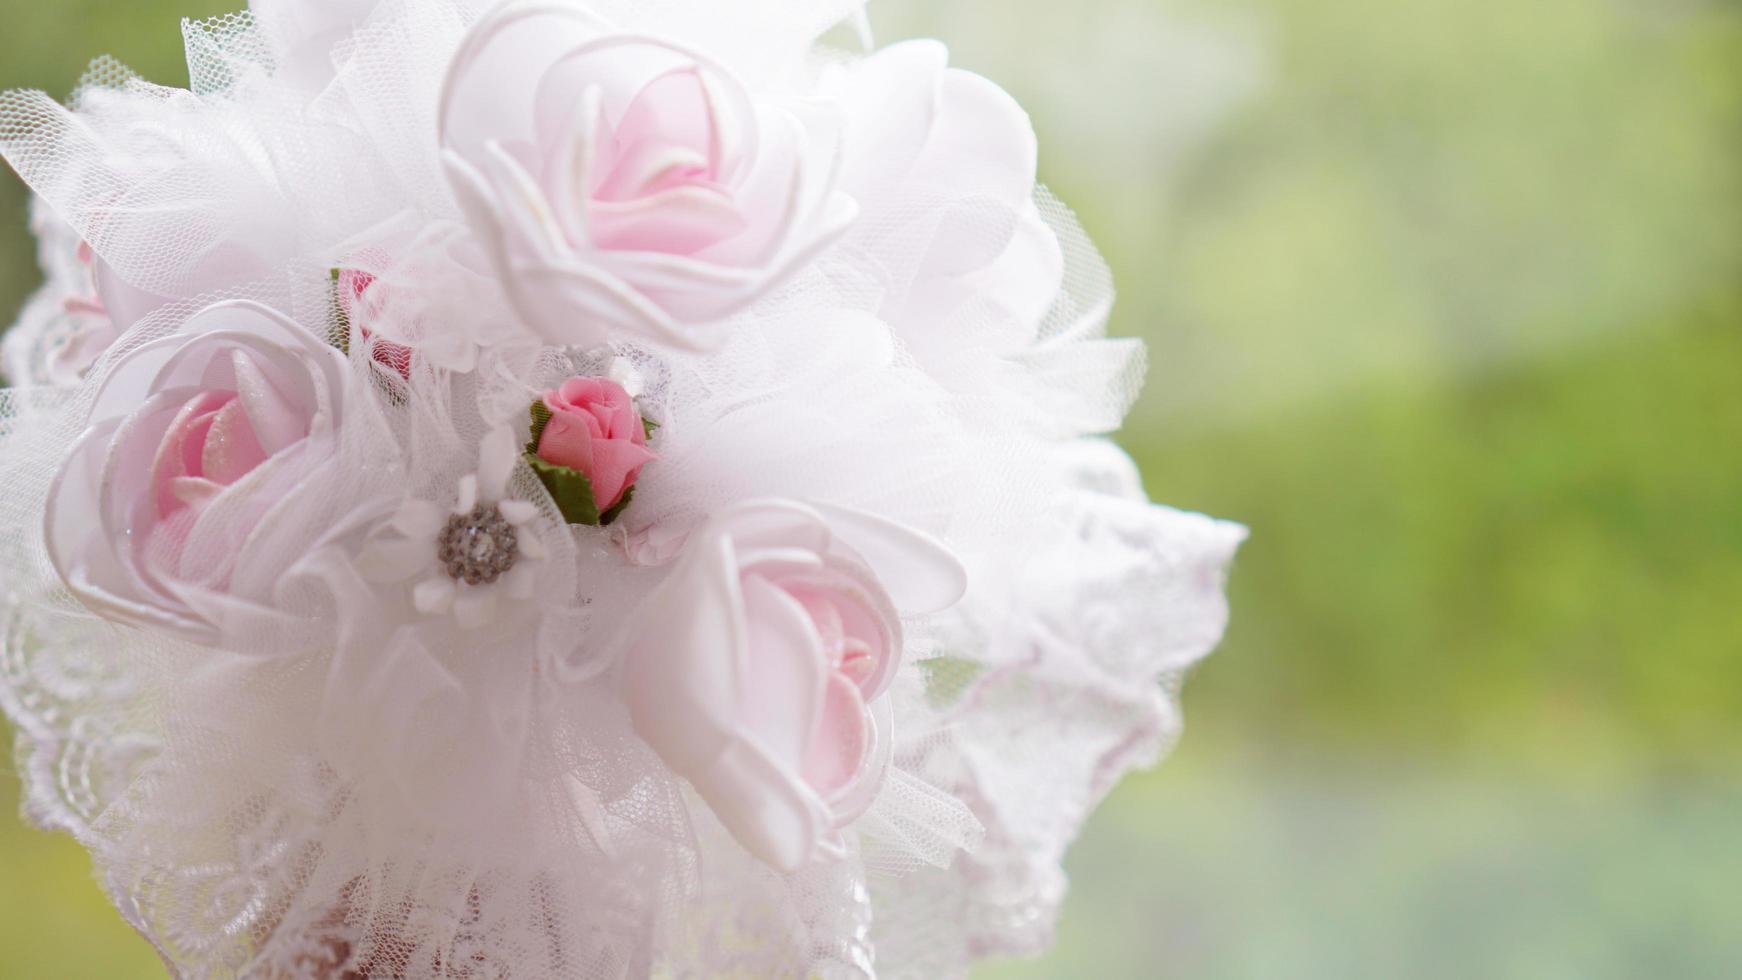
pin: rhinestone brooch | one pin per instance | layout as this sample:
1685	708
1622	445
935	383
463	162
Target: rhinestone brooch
478	547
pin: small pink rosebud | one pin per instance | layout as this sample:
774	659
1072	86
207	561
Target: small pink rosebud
595	430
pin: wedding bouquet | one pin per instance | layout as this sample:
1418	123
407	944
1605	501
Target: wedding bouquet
573	488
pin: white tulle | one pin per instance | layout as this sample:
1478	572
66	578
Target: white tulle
402	784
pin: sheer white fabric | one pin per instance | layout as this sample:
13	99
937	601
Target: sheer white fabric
364	792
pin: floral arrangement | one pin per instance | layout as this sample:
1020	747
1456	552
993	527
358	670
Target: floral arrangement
573	488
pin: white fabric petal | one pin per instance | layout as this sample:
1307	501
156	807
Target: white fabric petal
434	596
466	497
920	572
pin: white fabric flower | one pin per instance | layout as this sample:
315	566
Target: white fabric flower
487	526
758	669
627	183
184	503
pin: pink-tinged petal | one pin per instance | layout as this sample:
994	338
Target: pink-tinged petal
127	495
684	666
651	168
194	491
70	521
276	419
231	449
777	524
664	139
305	370
191	443
785	673
616	465
765	805
575	304
860	662
159	552
919	572
871	647
775	192
521	206
837	753
569	165
510	53
682	220
852	799
618	68
180	447
825	615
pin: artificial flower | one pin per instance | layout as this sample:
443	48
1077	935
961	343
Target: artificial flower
468	556
758	669
359	301
192	442
590	427
626	183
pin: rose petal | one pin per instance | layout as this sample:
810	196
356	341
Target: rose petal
616	465
774	815
231	449
277	420
785	673
568	441
178	454
687	655
837	752
664	139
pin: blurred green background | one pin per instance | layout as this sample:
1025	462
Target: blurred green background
1444	300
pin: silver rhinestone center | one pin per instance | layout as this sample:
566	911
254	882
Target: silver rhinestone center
478	547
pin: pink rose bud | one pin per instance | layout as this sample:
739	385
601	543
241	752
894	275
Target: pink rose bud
595	430
359	306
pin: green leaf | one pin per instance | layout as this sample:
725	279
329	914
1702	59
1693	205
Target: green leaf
617	508
572	492
948	678
540	413
339	334
571	489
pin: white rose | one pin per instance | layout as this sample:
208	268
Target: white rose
624	182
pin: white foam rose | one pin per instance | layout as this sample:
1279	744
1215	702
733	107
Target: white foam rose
182	505
759	670
627	183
